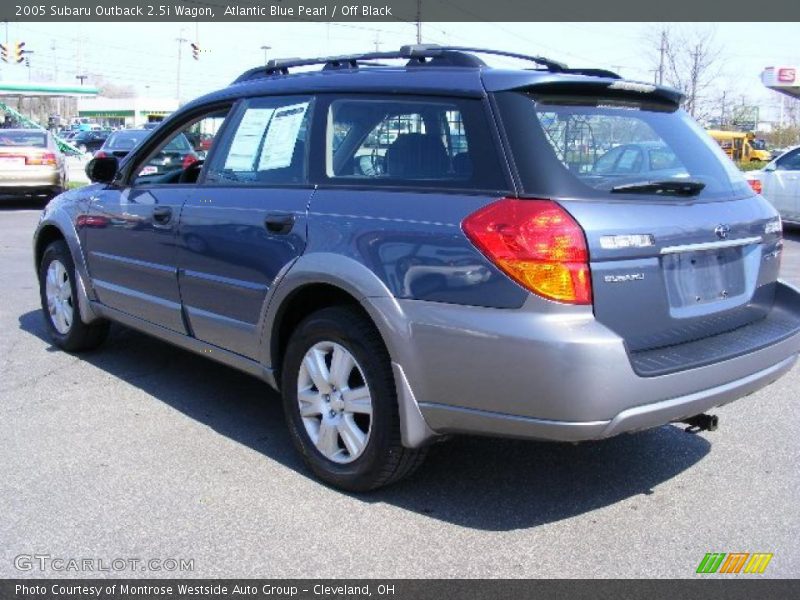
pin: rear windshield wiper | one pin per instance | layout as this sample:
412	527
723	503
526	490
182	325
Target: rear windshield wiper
670	187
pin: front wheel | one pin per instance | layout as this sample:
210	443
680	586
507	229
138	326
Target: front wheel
340	402
59	296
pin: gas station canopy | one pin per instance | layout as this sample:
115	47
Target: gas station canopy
784	79
32	89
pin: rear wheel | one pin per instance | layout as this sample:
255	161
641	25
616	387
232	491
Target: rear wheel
59	297
340	402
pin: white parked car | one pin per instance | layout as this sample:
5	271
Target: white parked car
779	182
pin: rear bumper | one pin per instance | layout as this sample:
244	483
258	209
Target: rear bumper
31	178
549	374
450	419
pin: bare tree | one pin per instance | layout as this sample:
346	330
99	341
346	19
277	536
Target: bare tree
113	90
690	61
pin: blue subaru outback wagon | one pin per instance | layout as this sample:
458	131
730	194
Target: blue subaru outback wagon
411	244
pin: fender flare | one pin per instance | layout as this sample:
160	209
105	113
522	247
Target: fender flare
60	219
361	283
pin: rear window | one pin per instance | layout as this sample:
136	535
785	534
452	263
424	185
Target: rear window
23	138
125	140
595	147
415	142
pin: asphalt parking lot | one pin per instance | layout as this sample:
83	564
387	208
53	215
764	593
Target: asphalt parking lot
143	450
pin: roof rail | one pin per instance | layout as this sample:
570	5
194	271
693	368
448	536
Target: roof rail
417	55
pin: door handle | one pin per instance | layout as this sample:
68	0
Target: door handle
279	223
162	215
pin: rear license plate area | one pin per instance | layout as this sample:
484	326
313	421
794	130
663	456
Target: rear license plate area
704	277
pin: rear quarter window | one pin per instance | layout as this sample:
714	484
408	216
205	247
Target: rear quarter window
411	142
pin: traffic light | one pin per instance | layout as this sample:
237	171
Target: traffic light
195	50
4	52
19	52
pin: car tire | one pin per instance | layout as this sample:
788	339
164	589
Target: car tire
353	461
58	292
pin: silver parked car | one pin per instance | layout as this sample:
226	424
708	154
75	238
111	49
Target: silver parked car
779	182
31	165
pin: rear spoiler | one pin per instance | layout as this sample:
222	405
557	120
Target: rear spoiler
580	85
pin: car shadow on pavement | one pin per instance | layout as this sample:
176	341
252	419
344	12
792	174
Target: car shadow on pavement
481	483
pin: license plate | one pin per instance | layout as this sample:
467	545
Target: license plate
148	170
11	162
702	277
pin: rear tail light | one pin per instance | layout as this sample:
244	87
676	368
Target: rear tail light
45	158
538	244
756	185
100	154
189	159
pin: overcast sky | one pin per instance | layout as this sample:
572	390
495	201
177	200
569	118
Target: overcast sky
145	55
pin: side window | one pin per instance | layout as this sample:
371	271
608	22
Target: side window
411	142
180	156
790	162
268	144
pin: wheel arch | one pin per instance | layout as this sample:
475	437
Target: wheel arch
58	225
318	280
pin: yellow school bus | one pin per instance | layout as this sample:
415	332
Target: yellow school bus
740	146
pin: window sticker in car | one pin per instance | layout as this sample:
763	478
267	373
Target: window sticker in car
282	135
244	146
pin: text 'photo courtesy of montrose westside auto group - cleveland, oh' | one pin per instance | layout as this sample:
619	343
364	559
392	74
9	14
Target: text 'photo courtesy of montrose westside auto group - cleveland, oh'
407	299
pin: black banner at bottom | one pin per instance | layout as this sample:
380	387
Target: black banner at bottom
398	589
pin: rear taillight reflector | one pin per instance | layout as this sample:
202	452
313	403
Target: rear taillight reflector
756	185
538	244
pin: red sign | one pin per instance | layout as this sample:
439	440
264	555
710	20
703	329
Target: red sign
786	75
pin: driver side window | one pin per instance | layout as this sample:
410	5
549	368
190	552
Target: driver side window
180	156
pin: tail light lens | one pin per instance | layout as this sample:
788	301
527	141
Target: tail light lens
189	159
756	185
538	244
45	158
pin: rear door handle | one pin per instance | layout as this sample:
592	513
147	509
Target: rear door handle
162	215
279	222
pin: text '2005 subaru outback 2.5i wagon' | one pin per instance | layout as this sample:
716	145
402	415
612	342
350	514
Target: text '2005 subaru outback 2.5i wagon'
410	245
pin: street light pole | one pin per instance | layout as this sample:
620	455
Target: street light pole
265	49
181	40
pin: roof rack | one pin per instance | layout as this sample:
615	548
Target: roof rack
417	55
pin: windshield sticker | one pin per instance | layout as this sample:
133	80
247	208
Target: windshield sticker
244	147
281	137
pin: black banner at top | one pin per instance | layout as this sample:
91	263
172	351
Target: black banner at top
397	10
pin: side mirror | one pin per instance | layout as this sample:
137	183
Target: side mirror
102	169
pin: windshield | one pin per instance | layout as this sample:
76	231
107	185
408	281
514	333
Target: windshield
592	147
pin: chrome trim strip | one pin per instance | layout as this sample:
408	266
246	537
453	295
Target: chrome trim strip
712	245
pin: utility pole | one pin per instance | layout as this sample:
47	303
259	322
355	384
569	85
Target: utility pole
28	62
695	76
181	40
722	111
377	42
662	53
419	21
